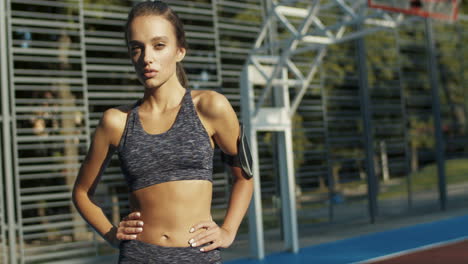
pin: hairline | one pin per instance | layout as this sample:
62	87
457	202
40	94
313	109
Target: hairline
174	30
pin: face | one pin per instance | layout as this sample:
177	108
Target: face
152	45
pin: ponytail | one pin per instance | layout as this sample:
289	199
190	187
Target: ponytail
181	76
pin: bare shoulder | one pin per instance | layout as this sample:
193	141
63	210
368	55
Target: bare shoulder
113	122
221	117
211	104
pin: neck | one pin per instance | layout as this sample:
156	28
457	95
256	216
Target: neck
164	97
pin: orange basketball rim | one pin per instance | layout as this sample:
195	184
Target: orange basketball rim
446	10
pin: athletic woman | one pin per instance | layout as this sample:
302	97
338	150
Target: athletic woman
165	142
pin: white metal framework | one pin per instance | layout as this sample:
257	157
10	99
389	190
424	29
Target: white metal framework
272	70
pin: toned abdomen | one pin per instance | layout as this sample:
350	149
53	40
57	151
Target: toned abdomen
170	209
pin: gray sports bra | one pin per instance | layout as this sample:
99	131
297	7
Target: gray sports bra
183	152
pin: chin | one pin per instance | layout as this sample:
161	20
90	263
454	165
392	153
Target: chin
152	84
147	82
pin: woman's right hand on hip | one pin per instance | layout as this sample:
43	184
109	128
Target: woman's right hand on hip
130	227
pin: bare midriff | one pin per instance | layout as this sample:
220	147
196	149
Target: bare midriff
168	211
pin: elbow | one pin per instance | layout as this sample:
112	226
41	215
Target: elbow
78	197
240	175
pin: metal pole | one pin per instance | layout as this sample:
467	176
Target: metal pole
404	115
288	198
256	240
367	122
286	171
329	164
217	46
6	132
440	144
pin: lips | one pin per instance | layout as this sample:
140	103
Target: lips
148	73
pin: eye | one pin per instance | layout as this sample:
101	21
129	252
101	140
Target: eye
159	45
134	48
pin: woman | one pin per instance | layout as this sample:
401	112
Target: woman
165	143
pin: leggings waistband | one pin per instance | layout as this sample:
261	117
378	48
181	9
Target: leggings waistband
136	251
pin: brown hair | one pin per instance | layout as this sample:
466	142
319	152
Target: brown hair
159	8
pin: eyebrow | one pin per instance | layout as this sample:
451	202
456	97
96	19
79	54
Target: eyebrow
152	40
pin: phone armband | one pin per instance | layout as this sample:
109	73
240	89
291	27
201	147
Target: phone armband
243	158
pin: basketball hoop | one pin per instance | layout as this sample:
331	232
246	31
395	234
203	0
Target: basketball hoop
446	10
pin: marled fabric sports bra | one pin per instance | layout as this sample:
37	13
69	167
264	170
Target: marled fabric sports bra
183	152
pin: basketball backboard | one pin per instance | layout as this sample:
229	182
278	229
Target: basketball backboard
446	10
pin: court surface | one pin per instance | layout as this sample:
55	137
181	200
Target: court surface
444	241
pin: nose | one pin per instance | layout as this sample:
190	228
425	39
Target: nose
147	60
148	57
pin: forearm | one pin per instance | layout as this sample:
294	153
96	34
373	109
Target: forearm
95	217
239	201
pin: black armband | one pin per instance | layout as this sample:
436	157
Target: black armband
243	158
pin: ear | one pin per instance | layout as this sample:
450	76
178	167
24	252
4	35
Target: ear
181	54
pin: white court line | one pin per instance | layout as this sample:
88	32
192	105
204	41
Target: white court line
408	251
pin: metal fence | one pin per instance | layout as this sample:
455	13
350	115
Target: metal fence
63	64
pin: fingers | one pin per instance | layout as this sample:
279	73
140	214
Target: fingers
130	227
210	247
203	238
206	225
131	223
212	235
130	230
128	233
132	216
131	220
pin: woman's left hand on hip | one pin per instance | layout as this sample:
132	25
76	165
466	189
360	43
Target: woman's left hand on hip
215	235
